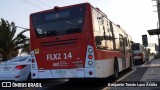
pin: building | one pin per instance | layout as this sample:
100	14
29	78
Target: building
153	47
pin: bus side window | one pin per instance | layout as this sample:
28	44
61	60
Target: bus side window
98	40
96	28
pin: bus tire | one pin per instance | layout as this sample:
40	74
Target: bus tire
116	70
130	67
29	77
143	61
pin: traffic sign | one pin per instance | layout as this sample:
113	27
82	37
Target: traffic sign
145	40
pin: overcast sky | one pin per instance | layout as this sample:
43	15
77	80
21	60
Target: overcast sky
135	16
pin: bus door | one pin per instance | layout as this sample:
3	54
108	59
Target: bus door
123	51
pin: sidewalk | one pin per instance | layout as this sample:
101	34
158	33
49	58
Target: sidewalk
147	73
153	71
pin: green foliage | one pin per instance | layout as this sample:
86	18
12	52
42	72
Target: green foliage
10	43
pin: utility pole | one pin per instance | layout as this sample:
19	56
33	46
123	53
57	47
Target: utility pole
158	11
156	31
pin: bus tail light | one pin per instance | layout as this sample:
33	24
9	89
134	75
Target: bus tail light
90	63
90	60
140	54
34	74
33	60
90	56
90	73
33	66
90	50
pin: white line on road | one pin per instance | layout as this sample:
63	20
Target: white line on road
125	76
107	88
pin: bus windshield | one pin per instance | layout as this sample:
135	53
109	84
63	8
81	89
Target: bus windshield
136	47
59	22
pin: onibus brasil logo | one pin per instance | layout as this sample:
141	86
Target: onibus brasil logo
13	84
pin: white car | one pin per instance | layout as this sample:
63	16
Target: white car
16	69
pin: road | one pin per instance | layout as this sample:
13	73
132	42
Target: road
93	84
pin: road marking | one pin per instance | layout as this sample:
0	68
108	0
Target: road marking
125	75
107	88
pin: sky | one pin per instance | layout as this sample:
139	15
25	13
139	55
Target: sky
134	16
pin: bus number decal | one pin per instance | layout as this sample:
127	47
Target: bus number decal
65	56
69	55
57	56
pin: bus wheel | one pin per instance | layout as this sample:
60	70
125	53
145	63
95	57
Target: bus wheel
142	62
130	67
29	77
116	70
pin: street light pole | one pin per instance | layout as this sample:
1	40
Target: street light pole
158	11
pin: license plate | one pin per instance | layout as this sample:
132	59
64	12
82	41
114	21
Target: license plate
60	72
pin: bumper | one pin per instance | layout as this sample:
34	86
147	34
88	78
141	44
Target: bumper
12	77
64	73
138	61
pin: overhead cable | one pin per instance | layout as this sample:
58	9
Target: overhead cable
43	3
32	4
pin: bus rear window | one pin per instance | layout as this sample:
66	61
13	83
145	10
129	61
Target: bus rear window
57	15
135	47
59	22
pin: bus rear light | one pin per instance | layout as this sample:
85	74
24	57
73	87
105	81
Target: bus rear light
90	50
140	54
90	63
90	73
33	65
34	74
90	56
33	60
19	67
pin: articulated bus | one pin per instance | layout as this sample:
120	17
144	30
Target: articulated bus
77	41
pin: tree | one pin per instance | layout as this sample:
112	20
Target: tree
26	48
10	42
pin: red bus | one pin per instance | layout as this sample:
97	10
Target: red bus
77	41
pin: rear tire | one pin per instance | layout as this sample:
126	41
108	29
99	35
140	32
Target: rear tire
116	70
143	61
134	62
130	68
29	77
